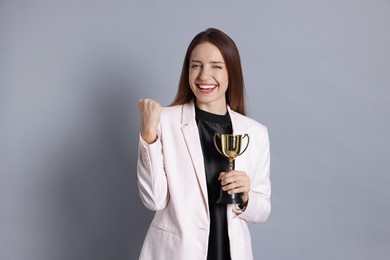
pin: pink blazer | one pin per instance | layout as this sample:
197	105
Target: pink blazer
172	182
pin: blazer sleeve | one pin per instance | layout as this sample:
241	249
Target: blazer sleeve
152	181
259	204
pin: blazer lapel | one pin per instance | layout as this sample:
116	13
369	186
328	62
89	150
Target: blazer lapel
192	139
238	128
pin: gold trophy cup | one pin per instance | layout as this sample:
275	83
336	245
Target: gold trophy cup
230	148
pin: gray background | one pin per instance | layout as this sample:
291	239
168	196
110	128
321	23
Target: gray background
317	74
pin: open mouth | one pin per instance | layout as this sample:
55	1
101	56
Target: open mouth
206	88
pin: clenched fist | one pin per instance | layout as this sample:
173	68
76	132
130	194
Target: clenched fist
150	111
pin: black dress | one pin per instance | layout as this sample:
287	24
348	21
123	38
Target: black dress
208	124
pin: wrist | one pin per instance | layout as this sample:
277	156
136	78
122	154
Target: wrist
149	137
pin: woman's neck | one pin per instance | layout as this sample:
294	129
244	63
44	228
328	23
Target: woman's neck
212	108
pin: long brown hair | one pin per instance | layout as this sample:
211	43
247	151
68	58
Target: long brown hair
235	92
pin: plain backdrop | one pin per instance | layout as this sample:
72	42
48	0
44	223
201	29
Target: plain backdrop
317	74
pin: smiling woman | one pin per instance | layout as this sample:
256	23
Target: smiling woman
208	78
226	56
181	173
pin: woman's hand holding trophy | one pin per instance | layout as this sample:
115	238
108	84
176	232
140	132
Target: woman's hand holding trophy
235	185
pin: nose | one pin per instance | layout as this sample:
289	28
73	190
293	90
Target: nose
204	74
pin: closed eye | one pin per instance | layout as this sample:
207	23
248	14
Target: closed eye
195	64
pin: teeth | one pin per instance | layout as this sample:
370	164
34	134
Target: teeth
207	86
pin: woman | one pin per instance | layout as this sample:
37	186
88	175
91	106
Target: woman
180	173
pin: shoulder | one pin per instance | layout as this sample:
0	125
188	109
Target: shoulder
247	122
184	113
171	113
172	110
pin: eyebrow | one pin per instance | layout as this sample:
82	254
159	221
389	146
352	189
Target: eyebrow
213	62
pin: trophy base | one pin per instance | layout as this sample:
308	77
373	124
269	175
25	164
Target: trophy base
226	198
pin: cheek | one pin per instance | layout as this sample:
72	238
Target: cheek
223	78
191	77
224	81
191	82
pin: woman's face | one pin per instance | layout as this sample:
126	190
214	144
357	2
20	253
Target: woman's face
208	78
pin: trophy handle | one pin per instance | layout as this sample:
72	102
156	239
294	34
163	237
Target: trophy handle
215	142
247	143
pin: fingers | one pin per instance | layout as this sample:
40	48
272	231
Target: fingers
235	182
150	111
149	107
148	103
